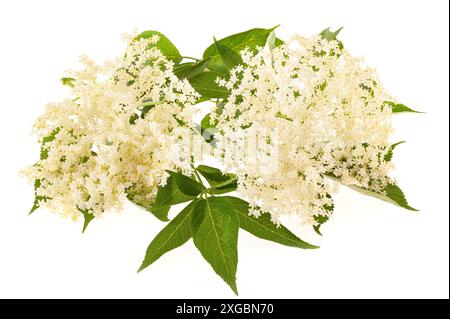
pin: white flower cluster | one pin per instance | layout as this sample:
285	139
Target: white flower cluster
296	115
116	136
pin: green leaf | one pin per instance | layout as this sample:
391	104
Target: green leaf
214	227
205	84
178	189
175	234
263	227
278	42
36	204
164	44
220	183
68	82
190	69
283	116
88	217
133	118
229	57
206	122
330	35
37	198
213	175
37	184
399	108
49	138
43	155
390	152
207	129
182	68
391	194
236	42
322	219
187	185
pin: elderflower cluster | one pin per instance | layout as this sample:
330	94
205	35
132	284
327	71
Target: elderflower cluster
297	115
116	137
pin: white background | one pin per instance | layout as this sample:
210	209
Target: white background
369	249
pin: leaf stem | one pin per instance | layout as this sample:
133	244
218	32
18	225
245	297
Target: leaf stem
197	176
205	192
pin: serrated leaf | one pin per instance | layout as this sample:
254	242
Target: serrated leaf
37	184
399	108
220	183
214	227
175	234
263	227
330	35
229	57
236	42
190	69
49	138
390	152
205	84
35	206
178	189
37	198
67	81
167	48
322	219
43	155
88	217
391	194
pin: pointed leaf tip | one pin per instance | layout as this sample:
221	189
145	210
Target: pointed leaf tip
317	230
391	193
88	217
214	228
330	35
263	227
390	153
175	234
400	108
275	27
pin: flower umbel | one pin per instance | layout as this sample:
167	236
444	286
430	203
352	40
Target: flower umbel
114	136
311	110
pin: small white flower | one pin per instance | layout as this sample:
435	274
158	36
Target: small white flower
103	146
319	110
